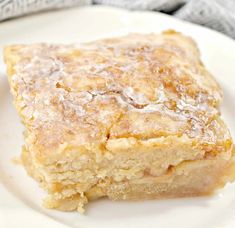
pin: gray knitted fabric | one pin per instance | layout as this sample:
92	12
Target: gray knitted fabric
14	8
216	14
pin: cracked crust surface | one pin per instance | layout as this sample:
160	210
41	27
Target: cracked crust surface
142	86
112	98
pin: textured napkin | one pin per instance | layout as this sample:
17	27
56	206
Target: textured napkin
216	14
15	8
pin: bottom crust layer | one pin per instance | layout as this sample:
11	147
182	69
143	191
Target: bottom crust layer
189	178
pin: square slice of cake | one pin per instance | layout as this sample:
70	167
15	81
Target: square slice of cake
134	117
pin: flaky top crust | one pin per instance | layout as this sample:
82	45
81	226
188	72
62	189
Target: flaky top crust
140	85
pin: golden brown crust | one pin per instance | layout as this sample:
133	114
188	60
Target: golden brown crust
106	100
136	86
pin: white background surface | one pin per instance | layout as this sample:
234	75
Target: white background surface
20	196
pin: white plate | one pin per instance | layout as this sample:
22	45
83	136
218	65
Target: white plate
20	196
